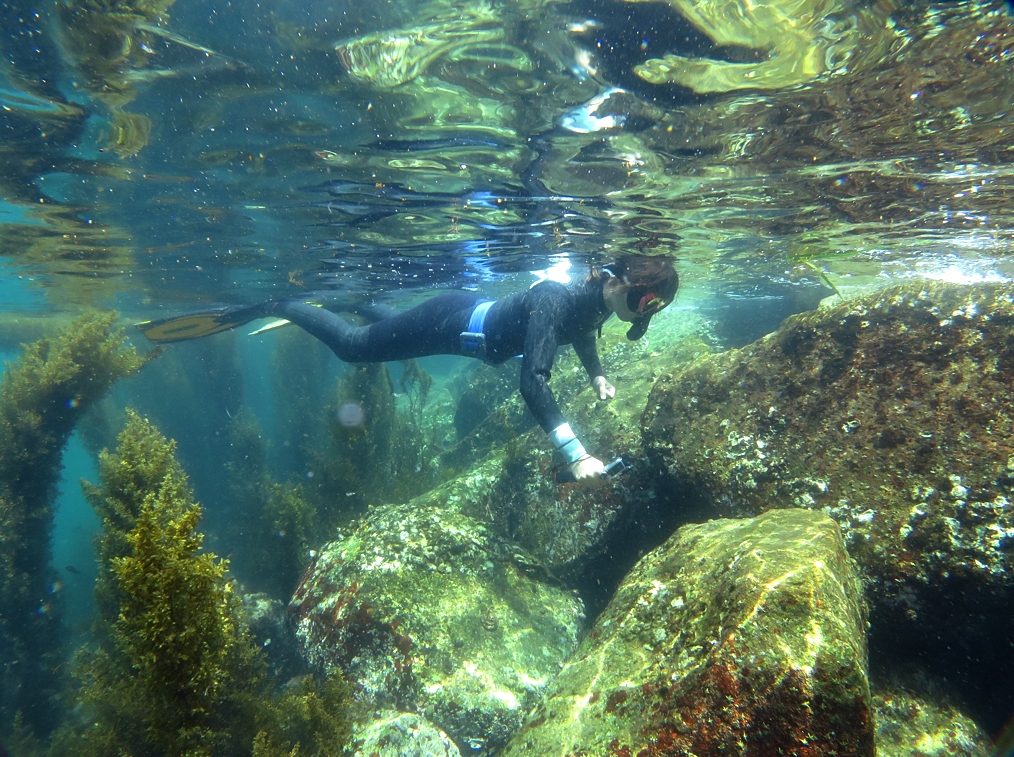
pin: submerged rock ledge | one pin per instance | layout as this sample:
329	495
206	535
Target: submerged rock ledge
894	414
426	611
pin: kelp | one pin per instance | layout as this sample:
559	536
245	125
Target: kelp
300	387
271	527
375	452
175	671
42	397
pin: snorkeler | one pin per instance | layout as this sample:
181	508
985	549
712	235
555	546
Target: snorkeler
533	324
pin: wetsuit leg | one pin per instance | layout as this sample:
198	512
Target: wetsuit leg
432	328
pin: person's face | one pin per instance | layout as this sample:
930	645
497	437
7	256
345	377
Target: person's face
622	300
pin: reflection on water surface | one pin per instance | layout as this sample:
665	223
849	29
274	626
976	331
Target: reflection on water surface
887	159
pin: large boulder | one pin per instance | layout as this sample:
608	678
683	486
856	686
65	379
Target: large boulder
893	413
425	611
735	637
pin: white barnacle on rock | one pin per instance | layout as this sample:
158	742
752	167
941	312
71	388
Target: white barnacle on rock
957	490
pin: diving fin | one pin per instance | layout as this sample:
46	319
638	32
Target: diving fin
204	323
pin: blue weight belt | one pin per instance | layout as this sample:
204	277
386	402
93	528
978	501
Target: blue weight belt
473	341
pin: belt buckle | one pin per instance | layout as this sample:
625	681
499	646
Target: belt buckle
473	344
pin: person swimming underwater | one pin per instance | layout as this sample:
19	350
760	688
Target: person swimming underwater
533	323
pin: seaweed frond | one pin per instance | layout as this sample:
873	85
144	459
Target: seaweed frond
176	672
42	397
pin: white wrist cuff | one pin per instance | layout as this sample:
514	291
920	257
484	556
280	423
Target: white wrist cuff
566	443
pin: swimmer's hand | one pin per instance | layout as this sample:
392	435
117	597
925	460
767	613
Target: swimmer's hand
603	389
588	472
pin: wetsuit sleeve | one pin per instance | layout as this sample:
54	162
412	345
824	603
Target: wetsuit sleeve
541	342
589	355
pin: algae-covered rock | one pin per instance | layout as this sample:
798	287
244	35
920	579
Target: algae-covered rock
402	734
425	610
735	637
271	630
909	725
893	413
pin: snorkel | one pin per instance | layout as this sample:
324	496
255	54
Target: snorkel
645	307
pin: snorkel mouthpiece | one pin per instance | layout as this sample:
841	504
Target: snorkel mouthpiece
637	328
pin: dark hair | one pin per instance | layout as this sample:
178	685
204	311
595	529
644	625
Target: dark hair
643	273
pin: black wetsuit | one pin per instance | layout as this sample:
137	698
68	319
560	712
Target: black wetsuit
533	324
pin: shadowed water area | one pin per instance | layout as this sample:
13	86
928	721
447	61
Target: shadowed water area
274	550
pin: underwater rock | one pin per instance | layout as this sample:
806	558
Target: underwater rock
424	610
892	413
792	42
483	401
564	527
271	630
909	725
735	637
403	734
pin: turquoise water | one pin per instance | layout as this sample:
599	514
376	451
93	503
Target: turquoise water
158	158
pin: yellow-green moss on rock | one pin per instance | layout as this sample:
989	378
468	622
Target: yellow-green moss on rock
735	637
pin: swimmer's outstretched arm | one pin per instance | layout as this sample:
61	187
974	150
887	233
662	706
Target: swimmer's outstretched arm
541	344
589	356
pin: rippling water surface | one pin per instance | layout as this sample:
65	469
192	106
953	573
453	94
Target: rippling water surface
188	153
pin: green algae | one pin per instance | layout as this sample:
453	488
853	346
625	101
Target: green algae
175	671
43	396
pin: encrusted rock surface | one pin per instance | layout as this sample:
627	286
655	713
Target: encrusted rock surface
402	734
735	637
893	413
426	611
909	725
